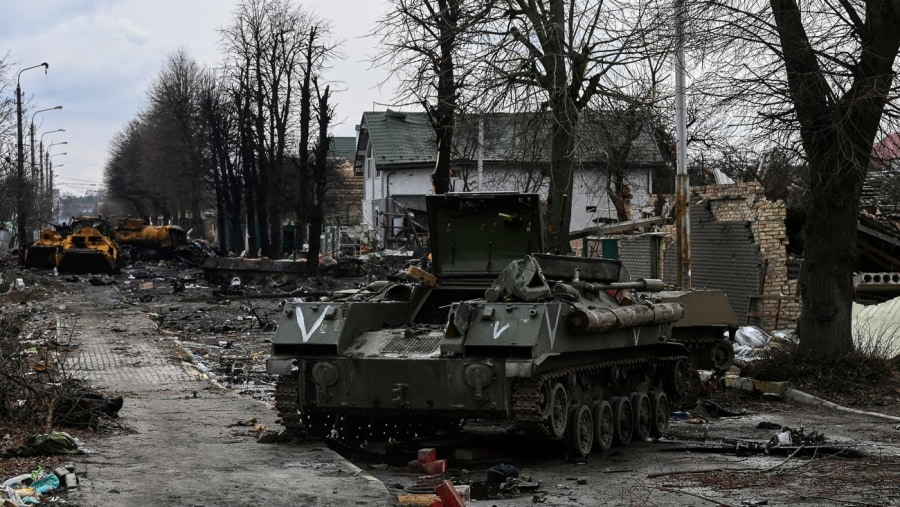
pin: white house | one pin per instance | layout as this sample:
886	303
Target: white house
499	152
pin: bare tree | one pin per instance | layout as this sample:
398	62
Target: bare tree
176	138
325	113
264	48
422	42
819	77
557	55
220	113
126	180
7	142
316	54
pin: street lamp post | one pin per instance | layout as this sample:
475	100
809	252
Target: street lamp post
33	166
20	165
50	203
37	178
50	165
45	180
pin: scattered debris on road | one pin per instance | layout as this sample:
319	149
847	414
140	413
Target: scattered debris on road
38	486
787	441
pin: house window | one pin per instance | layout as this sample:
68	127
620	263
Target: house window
370	163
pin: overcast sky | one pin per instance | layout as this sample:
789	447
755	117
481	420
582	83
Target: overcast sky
103	53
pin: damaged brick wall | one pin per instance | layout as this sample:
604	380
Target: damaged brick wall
745	206
738	245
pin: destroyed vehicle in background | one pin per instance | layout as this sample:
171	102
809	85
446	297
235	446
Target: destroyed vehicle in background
142	242
44	253
707	329
133	231
562	346
90	248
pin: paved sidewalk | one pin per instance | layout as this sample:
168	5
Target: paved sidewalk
182	450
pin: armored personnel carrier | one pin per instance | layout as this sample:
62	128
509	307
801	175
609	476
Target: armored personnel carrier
564	347
89	248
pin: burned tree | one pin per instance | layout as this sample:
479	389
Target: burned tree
316	54
325	113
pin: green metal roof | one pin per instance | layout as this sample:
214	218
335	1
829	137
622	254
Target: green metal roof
342	147
399	138
407	139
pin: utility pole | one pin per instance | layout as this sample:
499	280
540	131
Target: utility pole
21	188
682	180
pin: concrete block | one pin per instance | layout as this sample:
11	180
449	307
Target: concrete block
70	481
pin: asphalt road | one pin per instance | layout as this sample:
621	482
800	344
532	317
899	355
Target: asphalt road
181	444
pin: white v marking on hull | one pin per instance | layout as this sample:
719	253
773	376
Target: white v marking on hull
301	323
498	332
551	328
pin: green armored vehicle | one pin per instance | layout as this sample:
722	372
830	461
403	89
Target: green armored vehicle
565	347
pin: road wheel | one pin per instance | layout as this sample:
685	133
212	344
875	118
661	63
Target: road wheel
559	411
643	416
677	378
722	355
623	420
580	435
603	426
659	404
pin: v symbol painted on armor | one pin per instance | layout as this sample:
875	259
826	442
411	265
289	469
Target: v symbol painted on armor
301	323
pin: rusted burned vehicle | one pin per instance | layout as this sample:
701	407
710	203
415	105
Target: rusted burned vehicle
564	347
133	231
44	252
90	248
139	241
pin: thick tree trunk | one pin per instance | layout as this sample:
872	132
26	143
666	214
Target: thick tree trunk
829	259
440	178
559	198
837	137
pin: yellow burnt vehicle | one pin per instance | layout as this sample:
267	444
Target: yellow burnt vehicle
43	252
133	231
90	248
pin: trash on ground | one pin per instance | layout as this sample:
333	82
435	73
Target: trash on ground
752	343
46	444
29	488
787	441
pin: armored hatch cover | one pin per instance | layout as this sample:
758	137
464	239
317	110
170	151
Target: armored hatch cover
480	234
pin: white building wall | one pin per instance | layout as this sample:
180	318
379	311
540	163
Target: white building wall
589	199
589	191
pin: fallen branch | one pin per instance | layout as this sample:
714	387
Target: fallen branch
705	471
781	465
695	495
841	501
